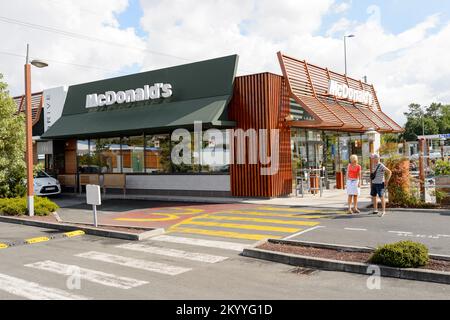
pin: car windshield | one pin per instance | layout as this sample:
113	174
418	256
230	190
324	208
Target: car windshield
41	174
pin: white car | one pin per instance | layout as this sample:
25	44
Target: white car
44	185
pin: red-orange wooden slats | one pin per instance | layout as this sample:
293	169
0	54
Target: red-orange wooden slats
261	101
308	84
36	105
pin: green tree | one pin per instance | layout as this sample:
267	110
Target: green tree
444	121
417	121
12	145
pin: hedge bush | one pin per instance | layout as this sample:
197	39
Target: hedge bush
18	206
403	254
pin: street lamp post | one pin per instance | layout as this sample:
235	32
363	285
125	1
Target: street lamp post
345	50
29	130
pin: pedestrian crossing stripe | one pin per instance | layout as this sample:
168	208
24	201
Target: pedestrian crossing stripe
34	291
37	240
134	263
202	242
175	253
3	246
103	278
224	234
275	221
244	226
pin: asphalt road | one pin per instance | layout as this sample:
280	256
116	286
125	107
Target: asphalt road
430	228
175	266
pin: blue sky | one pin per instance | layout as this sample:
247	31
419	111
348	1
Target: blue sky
130	18
396	15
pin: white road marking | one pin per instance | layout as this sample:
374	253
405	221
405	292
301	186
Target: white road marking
34	291
406	232
301	232
355	229
202	242
444	235
195	256
134	263
103	278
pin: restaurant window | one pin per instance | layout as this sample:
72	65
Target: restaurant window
194	166
365	163
298	148
344	150
157	153
106	156
314	148
133	154
331	153
216	154
356	146
83	156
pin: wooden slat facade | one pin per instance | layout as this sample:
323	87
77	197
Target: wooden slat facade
261	101
308	85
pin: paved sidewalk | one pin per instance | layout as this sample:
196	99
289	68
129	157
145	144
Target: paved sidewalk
334	198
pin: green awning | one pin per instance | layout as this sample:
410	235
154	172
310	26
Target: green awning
200	92
161	117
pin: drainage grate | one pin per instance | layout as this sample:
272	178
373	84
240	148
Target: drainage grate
303	271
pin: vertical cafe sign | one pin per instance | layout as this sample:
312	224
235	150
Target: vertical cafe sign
54	100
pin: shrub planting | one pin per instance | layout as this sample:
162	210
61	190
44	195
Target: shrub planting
18	206
403	254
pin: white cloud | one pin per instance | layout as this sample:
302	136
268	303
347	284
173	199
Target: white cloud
94	18
400	65
341	7
413	66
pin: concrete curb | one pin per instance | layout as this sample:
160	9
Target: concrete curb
419	210
40	239
321	245
340	247
346	266
88	230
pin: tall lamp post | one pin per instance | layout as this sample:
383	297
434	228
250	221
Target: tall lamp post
29	130
345	50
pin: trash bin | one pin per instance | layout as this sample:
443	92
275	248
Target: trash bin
314	183
340	179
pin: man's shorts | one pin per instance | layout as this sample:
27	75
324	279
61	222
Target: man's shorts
377	189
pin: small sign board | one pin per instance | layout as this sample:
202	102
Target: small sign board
93	195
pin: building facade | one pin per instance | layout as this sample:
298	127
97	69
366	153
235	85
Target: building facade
258	133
